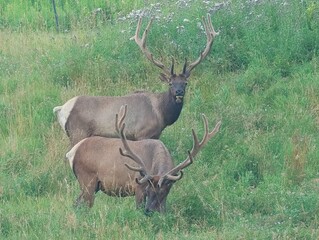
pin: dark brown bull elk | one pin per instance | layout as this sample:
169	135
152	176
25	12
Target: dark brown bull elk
106	164
149	113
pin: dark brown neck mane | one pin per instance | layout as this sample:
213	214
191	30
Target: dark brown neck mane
170	109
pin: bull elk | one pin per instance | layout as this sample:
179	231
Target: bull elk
149	114
101	164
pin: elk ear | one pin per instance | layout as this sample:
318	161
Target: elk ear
164	77
186	74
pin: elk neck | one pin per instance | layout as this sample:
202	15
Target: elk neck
169	108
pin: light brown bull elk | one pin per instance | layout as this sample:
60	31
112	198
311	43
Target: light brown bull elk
149	113
142	168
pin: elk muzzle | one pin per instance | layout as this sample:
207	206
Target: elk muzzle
179	95
154	205
178	86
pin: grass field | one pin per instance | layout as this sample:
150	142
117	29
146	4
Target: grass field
257	179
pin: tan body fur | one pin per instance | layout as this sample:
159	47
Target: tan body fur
98	165
148	115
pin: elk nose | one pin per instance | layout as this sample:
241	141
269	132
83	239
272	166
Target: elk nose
180	92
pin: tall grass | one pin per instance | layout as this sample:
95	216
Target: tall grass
39	15
257	179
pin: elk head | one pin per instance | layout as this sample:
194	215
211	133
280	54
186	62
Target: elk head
177	82
154	183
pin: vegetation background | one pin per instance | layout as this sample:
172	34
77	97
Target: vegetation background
257	179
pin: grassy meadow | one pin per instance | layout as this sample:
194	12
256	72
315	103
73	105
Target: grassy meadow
258	178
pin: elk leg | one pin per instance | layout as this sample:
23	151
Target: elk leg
77	132
77	137
85	197
140	197
79	200
88	192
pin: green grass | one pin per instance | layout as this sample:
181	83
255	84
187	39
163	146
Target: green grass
258	177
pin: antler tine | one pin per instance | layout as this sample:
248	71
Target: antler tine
207	135
198	145
141	42
195	149
144	36
210	34
119	123
127	152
